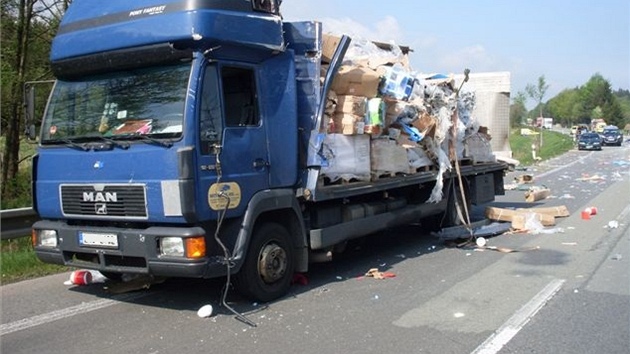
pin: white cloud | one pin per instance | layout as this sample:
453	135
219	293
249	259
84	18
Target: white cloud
474	57
385	30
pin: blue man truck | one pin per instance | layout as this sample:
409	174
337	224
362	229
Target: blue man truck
185	139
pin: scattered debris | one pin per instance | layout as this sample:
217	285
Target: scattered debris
524	179
586	213
519	218
482	228
613	224
85	277
374	273
537	193
595	178
205	311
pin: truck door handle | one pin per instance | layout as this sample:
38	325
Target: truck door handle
260	164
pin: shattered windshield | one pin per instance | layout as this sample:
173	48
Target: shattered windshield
147	102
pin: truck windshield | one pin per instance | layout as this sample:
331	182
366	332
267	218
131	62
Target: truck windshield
124	105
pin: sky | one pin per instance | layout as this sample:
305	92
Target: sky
565	41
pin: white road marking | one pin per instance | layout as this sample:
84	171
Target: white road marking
514	324
26	323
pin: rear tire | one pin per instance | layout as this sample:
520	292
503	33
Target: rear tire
268	268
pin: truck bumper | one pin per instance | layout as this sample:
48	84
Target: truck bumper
136	251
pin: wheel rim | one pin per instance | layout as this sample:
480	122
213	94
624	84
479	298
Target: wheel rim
272	263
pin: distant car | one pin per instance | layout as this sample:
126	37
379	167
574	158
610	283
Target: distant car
612	136
578	129
590	141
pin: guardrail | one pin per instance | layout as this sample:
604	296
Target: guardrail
17	223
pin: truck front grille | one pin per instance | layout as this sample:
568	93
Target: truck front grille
104	201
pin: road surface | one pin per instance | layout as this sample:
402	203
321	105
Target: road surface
567	291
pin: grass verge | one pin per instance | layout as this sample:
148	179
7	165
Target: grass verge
553	144
18	262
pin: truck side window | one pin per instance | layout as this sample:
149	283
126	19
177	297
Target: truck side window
239	97
210	124
270	6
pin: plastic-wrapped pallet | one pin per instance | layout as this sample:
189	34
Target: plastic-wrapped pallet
346	157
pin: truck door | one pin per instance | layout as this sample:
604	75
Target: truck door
233	151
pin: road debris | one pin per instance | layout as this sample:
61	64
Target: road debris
376	274
205	311
482	228
535	194
519	218
613	224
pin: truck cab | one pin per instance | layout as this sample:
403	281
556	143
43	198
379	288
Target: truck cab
149	139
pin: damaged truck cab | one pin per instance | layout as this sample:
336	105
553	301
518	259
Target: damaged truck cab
185	138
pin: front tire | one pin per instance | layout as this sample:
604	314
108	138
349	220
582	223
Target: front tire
268	267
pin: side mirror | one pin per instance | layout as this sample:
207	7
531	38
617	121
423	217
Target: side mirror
29	111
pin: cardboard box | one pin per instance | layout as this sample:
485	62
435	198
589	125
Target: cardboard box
425	124
356	105
388	157
329	45
348	124
356	81
346	157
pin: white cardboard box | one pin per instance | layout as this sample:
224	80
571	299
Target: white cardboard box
346	157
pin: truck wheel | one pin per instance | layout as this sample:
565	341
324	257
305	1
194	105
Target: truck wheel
268	267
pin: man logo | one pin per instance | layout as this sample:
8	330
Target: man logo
101	209
100	197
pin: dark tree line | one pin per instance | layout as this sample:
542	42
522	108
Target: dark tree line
594	99
27	30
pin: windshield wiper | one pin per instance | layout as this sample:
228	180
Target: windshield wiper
70	143
146	138
123	145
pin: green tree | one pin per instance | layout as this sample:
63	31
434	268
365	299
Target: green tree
564	105
597	92
538	92
518	111
27	28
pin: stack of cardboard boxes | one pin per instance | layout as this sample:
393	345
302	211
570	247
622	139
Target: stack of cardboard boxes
376	105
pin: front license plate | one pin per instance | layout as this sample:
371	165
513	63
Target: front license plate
92	239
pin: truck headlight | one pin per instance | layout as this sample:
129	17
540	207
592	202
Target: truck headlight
172	246
189	247
45	238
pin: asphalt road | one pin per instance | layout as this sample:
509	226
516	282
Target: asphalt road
566	291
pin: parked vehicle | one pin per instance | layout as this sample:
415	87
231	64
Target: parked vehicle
201	148
590	141
612	136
